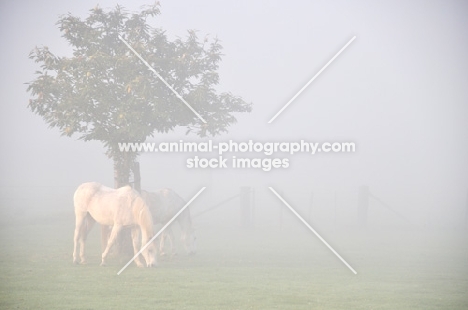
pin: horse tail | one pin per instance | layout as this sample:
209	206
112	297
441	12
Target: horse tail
89	221
83	195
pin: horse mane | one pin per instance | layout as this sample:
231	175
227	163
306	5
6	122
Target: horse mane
142	214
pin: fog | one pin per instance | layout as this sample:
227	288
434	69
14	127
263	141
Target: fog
398	92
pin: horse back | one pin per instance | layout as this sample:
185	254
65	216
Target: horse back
106	205
163	204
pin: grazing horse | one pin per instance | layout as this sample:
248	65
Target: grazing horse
163	205
112	207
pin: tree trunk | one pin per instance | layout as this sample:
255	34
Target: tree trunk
136	176
122	167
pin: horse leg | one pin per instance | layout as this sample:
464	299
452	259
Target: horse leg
85	228
79	223
113	237
105	232
167	235
135	241
170	236
161	243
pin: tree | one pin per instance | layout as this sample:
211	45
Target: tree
104	92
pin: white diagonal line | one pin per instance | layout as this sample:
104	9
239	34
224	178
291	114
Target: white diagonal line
162	79
308	226
161	230
311	80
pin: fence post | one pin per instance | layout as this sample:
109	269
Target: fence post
335	214
252	214
281	208
246	206
363	205
466	211
311	203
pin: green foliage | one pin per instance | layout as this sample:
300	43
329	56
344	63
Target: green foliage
103	92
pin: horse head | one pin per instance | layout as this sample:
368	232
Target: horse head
150	255
189	240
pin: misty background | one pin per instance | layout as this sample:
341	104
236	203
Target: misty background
398	91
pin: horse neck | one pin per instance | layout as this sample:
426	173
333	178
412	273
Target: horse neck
146	226
185	221
145	220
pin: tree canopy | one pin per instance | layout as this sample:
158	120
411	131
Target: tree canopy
104	92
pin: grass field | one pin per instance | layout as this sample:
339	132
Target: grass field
238	269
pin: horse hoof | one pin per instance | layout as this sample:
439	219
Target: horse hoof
103	264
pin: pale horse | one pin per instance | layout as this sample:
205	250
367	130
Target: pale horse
118	208
163	205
